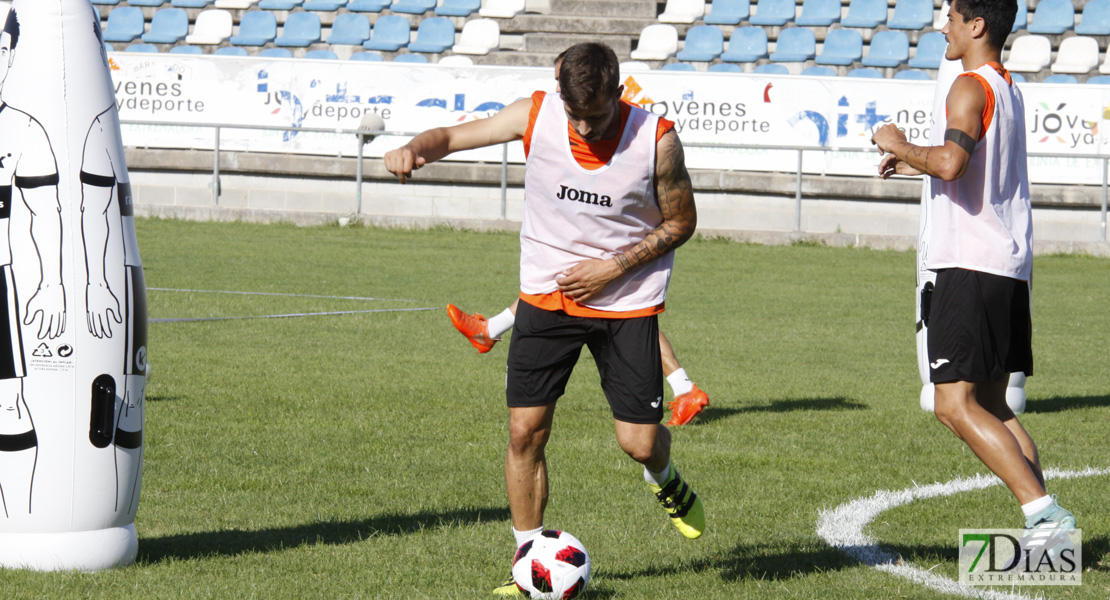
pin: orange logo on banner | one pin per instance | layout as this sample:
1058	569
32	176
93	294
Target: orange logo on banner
632	90
112	65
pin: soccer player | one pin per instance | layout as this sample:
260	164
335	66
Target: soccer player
980	325
596	254
689	399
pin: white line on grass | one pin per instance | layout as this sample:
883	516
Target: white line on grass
842	528
277	294
285	316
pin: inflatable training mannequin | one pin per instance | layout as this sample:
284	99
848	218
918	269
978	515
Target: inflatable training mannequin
73	315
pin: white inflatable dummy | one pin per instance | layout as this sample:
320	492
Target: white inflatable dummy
72	300
1015	390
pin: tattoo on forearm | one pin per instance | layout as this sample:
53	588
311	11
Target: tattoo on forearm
961	139
674	192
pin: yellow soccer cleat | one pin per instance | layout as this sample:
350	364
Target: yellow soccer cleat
681	504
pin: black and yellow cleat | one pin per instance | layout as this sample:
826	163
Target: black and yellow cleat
508	589
681	504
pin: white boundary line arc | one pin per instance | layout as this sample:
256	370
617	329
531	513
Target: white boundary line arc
842	528
159	289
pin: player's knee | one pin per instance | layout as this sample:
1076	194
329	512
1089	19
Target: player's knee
638	450
527	436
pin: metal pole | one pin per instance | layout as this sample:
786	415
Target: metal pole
216	169
358	178
504	178
1105	162
798	196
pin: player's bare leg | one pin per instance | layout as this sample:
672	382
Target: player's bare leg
650	445
689	400
526	464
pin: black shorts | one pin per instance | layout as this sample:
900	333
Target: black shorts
545	347
980	327
11	342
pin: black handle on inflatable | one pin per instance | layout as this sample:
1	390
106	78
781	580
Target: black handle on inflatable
103	407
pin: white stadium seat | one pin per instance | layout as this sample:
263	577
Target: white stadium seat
1077	55
479	36
501	9
211	27
632	66
657	42
1029	54
682	11
235	4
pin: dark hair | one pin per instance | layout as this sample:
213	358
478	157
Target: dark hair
11	27
997	15
588	71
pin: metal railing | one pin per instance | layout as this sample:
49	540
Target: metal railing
360	136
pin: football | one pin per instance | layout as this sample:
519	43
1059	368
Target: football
552	565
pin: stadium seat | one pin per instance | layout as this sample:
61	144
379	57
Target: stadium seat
145	2
478	36
746	44
865	13
657	42
771	69
186	49
434	35
279	5
911	14
410	58
501	9
1104	68
1021	20
276	53
455	60
930	51
212	26
866	73
231	51
678	66
412	7
887	49
773	13
458	8
1053	17
256	28
349	29
323	5
634	66
367	5
107	47
1017	77
1095	19
391	32
842	47
1077	55
1099	80
367	56
703	43
940	19
726	68
913	75
682	11
102	2
235	4
300	30
819	71
151	48
819	13
537	7
168	26
125	23
190	3
795	44
1060	79
321	55
728	12
1029	54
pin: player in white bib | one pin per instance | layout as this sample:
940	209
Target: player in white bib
596	256
980	326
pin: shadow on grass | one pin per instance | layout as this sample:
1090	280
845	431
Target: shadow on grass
1061	404
235	542
157	398
781	406
756	562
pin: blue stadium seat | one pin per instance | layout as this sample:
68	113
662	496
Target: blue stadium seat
186	50
773	13
300	30
125	23
231	51
276	53
1017	77
256	28
819	71
168	26
1053	17
367	5
190	3
106	2
145	2
1099	80
321	55
410	58
367	56
887	49
151	48
391	32
279	5
866	73
746	44
458	8
819	13
324	5
930	51
795	44
912	14
842	47
728	12
726	68
678	66
1095	19
412	7
865	13
434	35
703	43
771	69
1021	20
350	29
913	75
1060	79
108	47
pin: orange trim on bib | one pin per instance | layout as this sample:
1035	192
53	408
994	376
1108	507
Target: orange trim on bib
557	301
988	109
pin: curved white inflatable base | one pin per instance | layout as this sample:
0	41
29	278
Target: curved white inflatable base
70	551
928	397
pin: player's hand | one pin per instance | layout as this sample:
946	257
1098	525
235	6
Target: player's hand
887	136
102	309
587	278
48	304
891	165
402	162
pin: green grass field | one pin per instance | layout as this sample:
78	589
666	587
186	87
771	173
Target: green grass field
360	456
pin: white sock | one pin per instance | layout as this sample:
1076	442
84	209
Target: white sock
524	536
680	382
501	323
657	478
1037	505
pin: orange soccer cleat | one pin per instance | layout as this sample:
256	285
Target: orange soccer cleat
687	406
474	327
